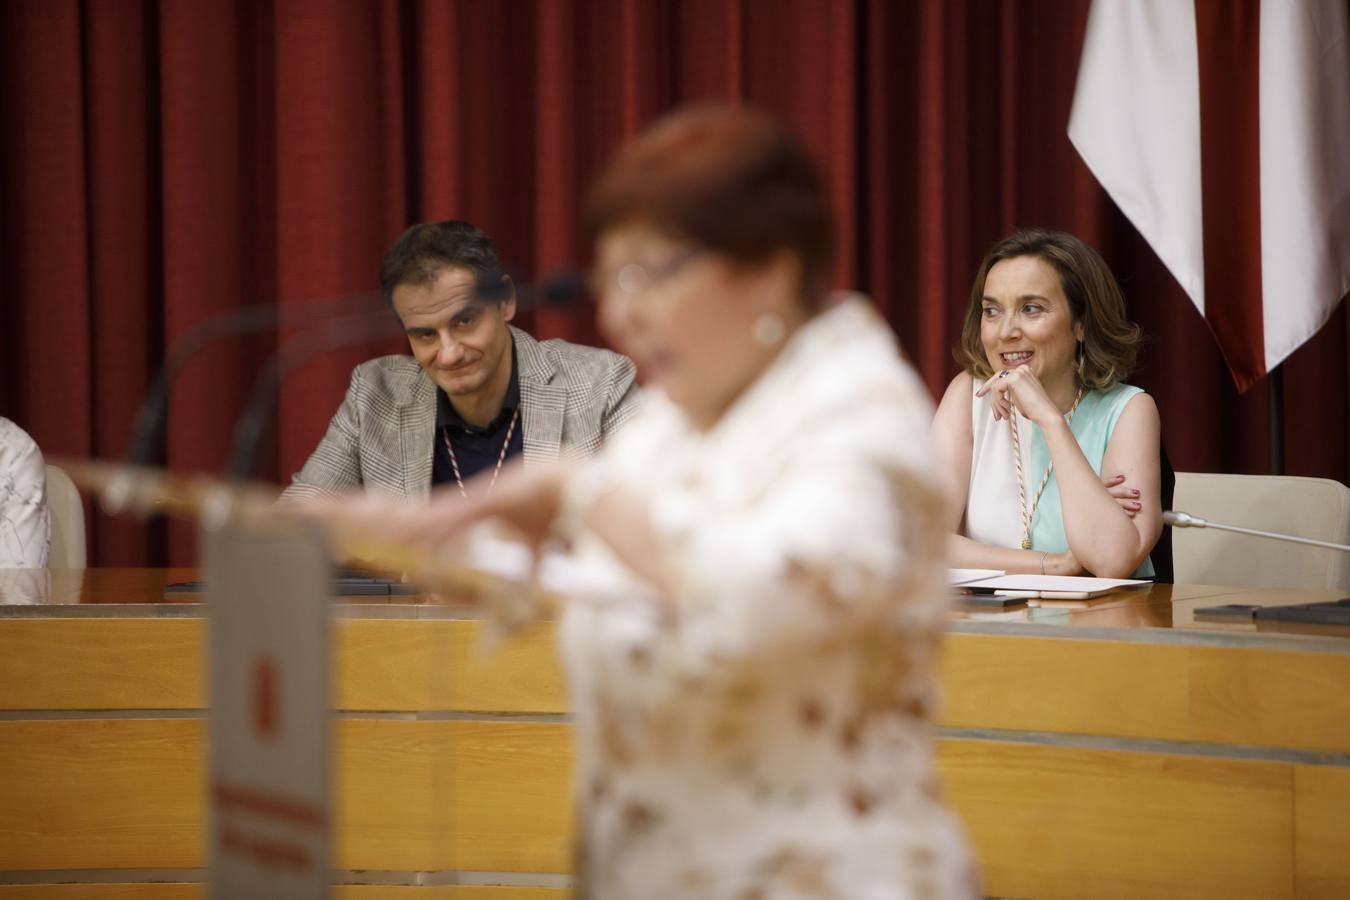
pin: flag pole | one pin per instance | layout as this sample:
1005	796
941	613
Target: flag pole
1275	417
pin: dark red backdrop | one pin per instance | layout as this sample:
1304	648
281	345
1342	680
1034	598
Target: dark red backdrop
163	161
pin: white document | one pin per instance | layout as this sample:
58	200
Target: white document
965	576
1053	587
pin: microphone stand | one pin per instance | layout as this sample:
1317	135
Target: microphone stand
251	426
1186	520
151	413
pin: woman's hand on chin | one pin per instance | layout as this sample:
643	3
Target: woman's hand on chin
1020	389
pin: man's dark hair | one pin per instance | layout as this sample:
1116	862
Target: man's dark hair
420	254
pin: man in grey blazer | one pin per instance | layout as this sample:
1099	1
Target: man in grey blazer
476	391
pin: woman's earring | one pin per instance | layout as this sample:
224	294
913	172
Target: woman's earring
1081	365
769	330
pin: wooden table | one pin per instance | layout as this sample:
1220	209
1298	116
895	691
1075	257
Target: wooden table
1117	750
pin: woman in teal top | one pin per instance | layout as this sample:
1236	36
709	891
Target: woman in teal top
1053	460
1093	425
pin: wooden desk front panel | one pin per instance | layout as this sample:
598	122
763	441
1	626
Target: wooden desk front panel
382	665
493	796
1220	695
411	795
182	891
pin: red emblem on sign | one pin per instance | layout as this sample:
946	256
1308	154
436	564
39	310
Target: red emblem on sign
265	700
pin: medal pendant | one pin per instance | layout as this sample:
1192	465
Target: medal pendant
1026	544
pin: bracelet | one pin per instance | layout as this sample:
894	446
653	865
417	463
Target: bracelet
1043	558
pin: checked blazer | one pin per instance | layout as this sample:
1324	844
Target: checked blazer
571	398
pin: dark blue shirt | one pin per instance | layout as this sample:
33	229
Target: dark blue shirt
476	449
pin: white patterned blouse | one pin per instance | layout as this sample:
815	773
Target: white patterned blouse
25	528
769	733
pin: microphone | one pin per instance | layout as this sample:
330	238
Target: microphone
1186	520
127	486
251	424
563	287
150	415
558	289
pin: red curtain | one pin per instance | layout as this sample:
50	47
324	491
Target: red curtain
161	162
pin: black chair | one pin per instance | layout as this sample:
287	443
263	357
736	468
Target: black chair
1161	554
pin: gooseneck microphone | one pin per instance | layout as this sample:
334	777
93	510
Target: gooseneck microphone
125	486
250	427
153	411
1186	520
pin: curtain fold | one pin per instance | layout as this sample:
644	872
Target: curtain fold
165	161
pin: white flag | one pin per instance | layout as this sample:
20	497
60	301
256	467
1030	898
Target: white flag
1221	128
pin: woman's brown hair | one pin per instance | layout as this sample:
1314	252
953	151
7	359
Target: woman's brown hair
1110	342
732	180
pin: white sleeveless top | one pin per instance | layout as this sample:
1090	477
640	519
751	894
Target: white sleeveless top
992	516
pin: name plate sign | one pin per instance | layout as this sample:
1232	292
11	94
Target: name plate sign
269	731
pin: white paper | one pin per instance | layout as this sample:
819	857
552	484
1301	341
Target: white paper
965	576
1054	585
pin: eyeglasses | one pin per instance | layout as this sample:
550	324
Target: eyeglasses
634	278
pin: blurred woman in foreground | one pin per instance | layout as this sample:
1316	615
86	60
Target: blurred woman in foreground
752	673
1053	459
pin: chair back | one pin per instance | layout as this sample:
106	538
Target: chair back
1317	508
66	509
